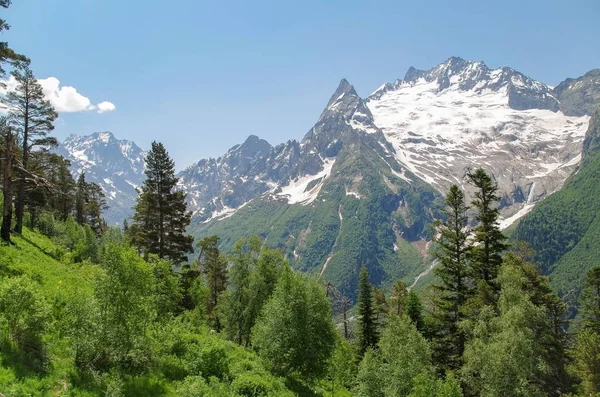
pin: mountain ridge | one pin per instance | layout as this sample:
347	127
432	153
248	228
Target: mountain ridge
391	156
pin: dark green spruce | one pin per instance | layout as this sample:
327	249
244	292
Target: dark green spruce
488	242
454	287
161	215
367	323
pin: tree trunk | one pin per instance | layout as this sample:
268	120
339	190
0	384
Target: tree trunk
21	192
8	190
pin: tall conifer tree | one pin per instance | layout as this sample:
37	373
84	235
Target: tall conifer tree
368	336
454	284
489	242
31	116
161	214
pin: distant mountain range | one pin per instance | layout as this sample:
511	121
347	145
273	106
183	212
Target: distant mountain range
365	183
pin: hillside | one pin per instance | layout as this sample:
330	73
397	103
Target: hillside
62	286
564	229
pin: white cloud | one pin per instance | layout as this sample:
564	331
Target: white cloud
65	99
106	107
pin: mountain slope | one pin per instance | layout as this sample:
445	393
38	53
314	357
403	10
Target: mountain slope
366	181
564	229
116	165
359	208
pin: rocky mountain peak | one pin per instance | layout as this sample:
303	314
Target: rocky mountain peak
579	96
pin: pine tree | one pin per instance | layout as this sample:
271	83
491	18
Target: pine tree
454	286
489	242
367	324
31	116
590	300
7	54
89	203
63	198
414	310
161	214
214	267
81	199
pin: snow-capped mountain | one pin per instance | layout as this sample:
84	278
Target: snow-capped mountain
116	165
365	183
461	115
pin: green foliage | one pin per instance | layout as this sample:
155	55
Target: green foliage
453	288
590	300
342	368
489	242
427	385
161	215
168	287
414	310
252	278
403	355
506	355
367	332
124	292
24	313
214	267
295	332
587	361
31	116
369	380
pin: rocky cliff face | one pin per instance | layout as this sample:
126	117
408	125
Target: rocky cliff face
580	96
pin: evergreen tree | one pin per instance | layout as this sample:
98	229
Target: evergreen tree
398	298
586	351
31	116
414	310
81	199
62	200
380	306
214	267
161	217
7	54
366	321
448	339
489	242
590	300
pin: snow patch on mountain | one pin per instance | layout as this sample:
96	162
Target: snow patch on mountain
298	191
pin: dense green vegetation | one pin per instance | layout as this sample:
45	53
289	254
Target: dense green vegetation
87	310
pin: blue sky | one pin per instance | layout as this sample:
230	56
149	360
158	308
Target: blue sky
202	76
